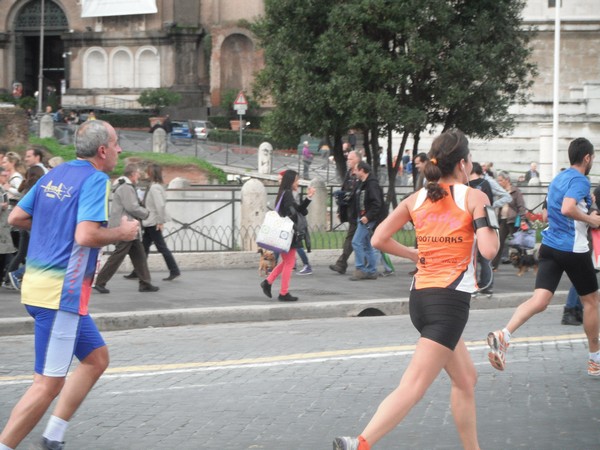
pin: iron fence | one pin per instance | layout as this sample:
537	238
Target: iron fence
202	231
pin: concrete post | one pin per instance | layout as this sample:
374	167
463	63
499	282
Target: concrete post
46	126
317	210
545	152
253	210
265	160
159	141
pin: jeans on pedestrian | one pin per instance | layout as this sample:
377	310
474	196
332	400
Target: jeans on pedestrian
151	234
384	259
306	167
573	300
486	276
363	250
303	256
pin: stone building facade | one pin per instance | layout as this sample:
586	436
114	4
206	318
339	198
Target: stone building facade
196	48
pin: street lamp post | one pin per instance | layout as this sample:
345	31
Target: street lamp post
41	68
556	100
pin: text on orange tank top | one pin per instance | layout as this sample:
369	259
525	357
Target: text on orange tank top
445	240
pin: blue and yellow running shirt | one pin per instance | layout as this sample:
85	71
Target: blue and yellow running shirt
564	233
59	272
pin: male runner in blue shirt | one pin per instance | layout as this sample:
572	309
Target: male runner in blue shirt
67	212
564	249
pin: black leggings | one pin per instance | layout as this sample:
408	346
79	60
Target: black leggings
21	254
440	314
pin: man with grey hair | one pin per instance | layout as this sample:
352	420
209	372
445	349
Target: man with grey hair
125	202
508	213
345	199
61	262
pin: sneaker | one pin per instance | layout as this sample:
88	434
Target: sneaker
386	273
287	298
266	288
359	275
569	317
101	289
593	368
14	280
306	270
148	288
7	285
345	443
498	347
131	276
51	445
337	269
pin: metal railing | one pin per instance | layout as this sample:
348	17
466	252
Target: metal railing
193	234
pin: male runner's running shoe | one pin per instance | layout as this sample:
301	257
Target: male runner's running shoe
51	445
345	443
498	347
593	368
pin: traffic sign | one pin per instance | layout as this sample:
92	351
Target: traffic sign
241	109
241	99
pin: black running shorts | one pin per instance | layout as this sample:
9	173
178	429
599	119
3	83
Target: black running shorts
440	314
578	267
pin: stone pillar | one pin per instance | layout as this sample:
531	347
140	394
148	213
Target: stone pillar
253	210
159	141
317	210
545	158
179	183
265	160
46	126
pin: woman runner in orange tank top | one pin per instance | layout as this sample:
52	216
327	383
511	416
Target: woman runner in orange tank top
443	213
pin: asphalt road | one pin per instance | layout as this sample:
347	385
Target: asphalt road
297	384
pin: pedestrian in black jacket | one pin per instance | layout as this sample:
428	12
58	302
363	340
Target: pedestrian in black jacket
346	212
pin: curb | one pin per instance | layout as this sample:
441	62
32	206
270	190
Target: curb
263	313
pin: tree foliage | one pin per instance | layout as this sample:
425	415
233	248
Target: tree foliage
155	99
386	66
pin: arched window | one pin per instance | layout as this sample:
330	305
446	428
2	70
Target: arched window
95	69
121	69
147	68
237	54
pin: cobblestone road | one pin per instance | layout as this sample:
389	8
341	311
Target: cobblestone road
296	384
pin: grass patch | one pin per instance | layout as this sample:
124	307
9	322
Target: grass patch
326	240
67	152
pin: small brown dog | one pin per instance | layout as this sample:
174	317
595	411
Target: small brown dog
523	261
266	262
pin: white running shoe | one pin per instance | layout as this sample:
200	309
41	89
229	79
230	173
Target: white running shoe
498	348
345	443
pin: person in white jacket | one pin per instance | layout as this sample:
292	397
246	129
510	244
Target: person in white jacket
155	202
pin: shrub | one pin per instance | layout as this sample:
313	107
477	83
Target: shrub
127	120
158	98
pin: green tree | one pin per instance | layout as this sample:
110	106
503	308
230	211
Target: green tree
298	75
387	66
155	99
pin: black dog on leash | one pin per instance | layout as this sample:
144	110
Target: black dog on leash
523	261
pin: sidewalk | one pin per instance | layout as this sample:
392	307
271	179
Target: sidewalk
218	295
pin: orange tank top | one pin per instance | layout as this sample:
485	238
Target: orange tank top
446	241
